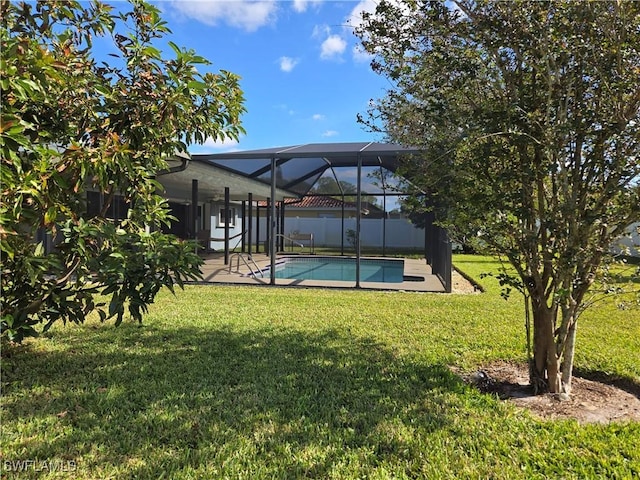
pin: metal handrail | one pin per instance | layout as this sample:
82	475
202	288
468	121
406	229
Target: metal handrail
241	256
301	245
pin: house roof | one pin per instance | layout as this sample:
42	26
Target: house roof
313	202
316	202
298	167
319	202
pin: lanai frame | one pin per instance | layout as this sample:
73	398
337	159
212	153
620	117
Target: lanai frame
320	157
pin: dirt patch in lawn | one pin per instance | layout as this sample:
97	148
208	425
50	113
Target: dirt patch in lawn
593	400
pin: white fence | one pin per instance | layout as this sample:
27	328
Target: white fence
327	232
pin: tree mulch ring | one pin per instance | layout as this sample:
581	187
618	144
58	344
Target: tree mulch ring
592	400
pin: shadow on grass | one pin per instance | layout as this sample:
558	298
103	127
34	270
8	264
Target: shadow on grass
631	278
623	383
293	403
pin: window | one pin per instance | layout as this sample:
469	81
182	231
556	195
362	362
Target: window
222	218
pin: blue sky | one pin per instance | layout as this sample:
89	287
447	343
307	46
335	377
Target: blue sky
303	76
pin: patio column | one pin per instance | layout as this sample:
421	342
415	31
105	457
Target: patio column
384	222
243	246
384	208
272	223
277	219
250	223
258	228
358	218
342	227
282	225
227	212
194	209
267	228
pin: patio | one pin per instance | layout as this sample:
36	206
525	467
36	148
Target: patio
216	272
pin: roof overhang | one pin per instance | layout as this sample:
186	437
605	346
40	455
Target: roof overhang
211	183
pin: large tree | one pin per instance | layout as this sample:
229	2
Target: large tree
529	116
329	186
74	123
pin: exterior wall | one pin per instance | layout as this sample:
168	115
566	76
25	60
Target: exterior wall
216	229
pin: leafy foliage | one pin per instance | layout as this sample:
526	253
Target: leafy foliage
530	116
72	124
341	190
328	185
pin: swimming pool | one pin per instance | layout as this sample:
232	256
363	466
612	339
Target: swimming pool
340	269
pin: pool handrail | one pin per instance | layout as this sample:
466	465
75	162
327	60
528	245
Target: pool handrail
241	256
293	239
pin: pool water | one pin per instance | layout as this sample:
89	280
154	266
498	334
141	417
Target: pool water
341	269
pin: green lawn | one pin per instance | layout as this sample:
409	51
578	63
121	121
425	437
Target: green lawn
255	382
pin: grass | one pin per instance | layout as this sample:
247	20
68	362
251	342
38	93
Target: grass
254	382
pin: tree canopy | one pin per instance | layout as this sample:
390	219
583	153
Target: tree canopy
328	185
529	114
73	123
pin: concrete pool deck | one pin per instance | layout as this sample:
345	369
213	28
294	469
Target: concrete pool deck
216	272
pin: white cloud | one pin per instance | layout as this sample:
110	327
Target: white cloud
360	55
335	45
330	133
226	145
318	116
219	144
320	31
355	20
283	107
287	63
355	17
300	6
248	15
332	47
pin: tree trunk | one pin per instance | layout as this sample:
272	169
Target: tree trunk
545	372
568	354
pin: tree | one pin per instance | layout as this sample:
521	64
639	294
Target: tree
528	113
72	124
342	190
329	186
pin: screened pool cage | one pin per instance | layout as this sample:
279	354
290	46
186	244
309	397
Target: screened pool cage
260	186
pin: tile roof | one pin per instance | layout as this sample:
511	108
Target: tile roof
313	202
321	202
